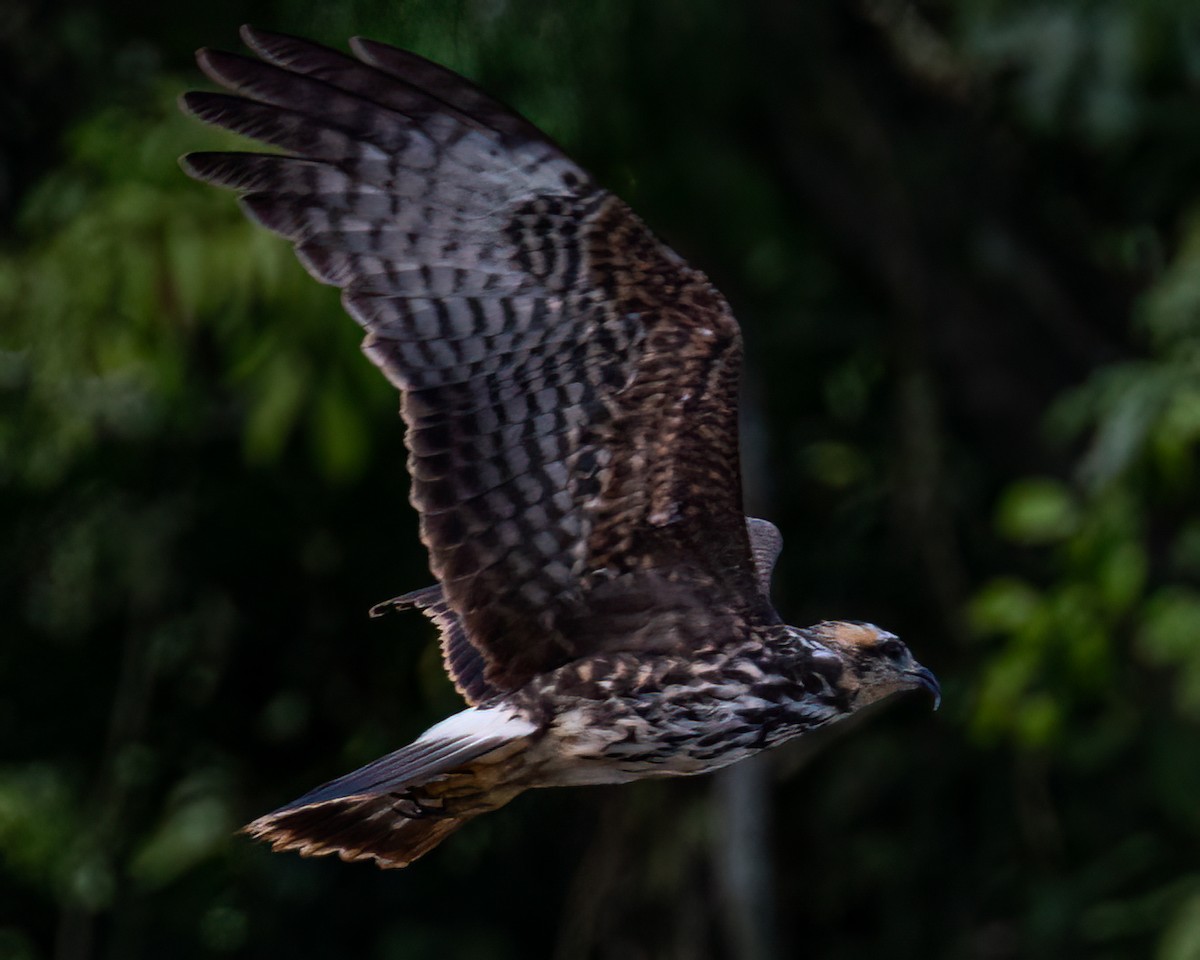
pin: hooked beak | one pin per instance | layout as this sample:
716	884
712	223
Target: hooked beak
925	678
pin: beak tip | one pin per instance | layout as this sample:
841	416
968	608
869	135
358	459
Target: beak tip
925	678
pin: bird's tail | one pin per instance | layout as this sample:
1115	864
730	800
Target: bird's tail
403	805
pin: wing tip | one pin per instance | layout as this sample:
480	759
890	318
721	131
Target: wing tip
188	164
251	35
189	102
396	60
208	166
280	49
229	70
361	47
221	168
413	600
211	106
204	60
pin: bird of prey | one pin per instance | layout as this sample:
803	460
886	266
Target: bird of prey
570	392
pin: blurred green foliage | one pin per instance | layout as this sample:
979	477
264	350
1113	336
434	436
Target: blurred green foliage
964	243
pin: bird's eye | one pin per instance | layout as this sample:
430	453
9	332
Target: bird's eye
892	648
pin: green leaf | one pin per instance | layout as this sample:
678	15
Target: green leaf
1181	939
339	435
1004	605
1038	510
282	390
190	833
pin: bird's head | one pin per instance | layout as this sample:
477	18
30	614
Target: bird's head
876	663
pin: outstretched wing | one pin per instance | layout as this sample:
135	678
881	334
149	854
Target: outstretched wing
569	383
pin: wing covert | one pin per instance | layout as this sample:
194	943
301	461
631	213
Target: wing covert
569	384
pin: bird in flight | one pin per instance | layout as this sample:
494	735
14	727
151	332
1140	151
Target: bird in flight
569	387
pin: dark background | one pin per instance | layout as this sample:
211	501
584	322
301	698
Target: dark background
963	241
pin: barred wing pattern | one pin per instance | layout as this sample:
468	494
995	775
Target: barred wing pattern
464	663
569	383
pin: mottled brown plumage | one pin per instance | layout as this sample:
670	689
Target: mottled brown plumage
569	386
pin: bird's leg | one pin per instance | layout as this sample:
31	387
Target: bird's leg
414	807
